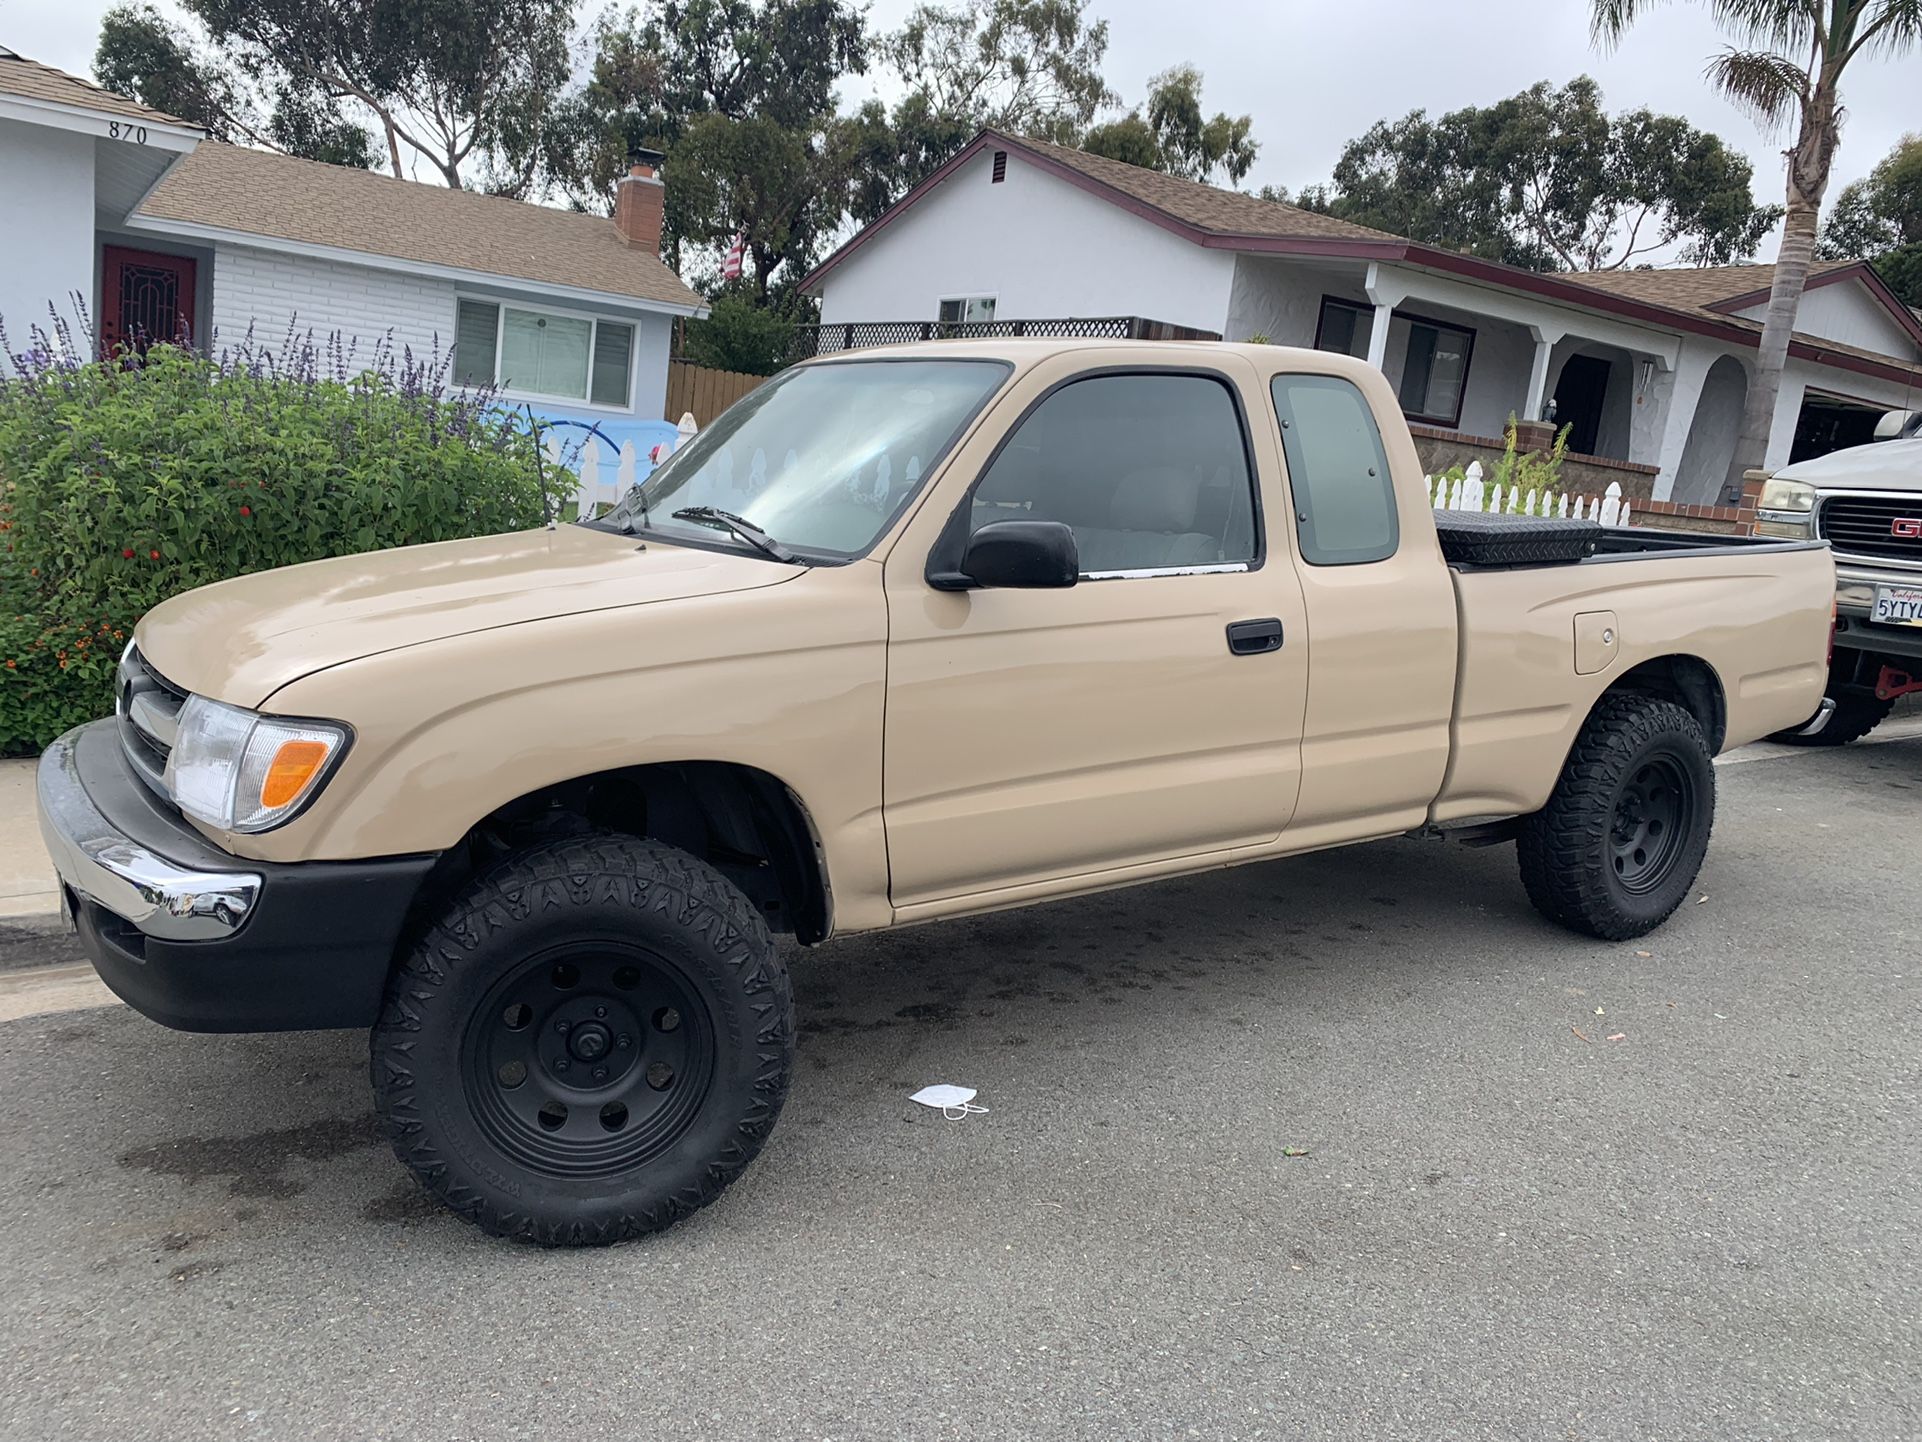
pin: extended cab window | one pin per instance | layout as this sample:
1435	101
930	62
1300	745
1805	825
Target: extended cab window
1344	497
1149	471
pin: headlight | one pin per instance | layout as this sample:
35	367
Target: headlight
1786	500
240	771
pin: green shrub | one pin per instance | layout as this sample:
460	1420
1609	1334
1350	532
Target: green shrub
1533	471
737	335
125	482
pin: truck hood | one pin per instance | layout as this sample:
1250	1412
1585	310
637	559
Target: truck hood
1877	466
242	640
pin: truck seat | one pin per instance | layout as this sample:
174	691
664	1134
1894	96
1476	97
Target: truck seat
1143	522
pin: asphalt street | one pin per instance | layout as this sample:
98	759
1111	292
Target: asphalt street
1549	1188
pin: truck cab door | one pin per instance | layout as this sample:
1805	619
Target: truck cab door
1047	739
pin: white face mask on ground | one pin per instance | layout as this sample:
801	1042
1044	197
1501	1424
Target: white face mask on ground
953	1102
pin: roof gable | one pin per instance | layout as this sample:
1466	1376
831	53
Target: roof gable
30	80
278	198
1198	205
1740	293
1204	214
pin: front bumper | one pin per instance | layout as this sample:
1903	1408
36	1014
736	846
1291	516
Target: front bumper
201	940
1855	603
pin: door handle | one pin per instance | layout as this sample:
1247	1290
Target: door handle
1254	638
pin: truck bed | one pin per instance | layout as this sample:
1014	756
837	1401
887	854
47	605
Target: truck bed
1538	644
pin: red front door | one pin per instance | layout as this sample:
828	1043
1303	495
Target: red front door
144	298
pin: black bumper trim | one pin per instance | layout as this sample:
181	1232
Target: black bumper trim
315	951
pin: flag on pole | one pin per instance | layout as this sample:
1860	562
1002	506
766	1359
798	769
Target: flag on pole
736	256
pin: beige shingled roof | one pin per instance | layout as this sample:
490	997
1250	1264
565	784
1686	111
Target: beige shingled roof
1693	287
1207	207
31	80
258	193
1699	289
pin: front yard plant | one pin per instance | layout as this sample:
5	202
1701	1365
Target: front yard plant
124	481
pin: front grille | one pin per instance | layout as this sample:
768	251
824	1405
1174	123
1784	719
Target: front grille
1883	528
148	707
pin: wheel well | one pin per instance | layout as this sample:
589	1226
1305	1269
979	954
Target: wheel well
744	822
1689	682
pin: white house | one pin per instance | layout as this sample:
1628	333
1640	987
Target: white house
157	229
1649	367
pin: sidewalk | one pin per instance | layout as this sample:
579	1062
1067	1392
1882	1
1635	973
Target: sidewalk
27	885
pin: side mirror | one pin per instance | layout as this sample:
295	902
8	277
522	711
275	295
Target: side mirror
1897	424
1029	555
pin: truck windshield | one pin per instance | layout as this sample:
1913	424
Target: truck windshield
819	460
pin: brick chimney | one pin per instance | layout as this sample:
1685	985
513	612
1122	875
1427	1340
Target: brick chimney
639	200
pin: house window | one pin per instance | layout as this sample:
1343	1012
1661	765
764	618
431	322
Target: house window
1344	328
1435	371
543	352
966	308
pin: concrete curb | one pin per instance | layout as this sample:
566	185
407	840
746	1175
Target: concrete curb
34	941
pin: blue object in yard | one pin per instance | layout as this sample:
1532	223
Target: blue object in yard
574	432
591	449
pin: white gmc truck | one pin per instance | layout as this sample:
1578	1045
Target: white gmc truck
1866	502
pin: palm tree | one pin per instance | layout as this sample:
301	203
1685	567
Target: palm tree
1788	60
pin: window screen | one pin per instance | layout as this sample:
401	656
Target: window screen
613	345
475	325
968	309
1149	471
545	355
1344	497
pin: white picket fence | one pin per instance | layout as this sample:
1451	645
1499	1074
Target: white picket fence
604	475
1470	493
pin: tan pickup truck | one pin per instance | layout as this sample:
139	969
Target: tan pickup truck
904	635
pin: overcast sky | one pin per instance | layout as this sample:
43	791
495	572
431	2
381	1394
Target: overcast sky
1313	74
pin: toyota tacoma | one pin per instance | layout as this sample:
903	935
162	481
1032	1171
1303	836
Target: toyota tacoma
903	635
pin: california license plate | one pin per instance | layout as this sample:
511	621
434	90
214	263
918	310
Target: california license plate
1898	605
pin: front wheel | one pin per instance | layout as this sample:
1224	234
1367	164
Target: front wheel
591	1043
1622	837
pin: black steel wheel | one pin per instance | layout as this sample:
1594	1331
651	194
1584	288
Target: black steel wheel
1624	832
1654	815
589	1059
593	1041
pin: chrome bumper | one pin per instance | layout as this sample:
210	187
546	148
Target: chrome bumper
158	897
1819	723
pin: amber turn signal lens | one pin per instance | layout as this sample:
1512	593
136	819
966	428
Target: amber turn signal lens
292	768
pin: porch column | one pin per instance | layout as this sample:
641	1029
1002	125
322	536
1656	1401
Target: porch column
1536	396
1378	335
1385	289
1685	394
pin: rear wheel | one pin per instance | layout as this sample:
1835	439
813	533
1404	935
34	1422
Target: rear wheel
1855	716
1622	837
592	1043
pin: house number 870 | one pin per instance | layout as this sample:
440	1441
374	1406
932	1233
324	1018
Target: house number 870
135	133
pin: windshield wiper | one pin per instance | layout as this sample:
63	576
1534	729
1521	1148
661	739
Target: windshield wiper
742	527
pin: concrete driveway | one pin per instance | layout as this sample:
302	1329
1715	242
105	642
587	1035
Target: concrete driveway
1506	1225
